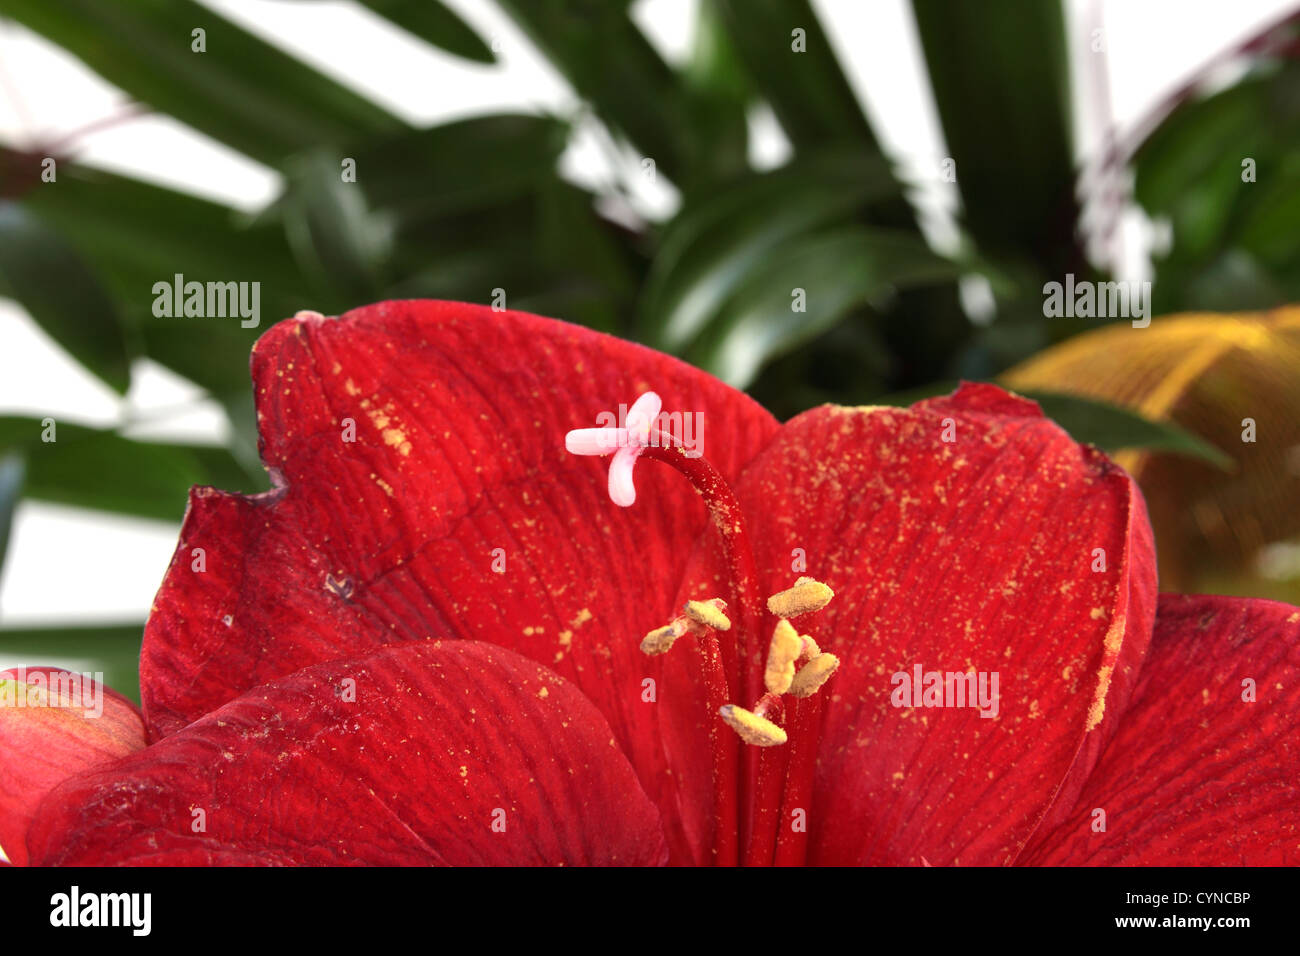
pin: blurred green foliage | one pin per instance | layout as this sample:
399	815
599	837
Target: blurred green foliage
458	210
1233	248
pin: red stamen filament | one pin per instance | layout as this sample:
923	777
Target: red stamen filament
792	845
774	781
731	654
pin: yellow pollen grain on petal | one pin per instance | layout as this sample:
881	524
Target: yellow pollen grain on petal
813	674
1110	647
1097	709
809	648
807	594
397	438
781	655
751	728
708	613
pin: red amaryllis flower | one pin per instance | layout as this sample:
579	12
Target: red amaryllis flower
425	645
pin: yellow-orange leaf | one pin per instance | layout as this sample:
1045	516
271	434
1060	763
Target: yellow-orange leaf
1214	375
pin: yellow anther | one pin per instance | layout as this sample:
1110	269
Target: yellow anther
781	655
661	639
698	618
751	728
709	613
810	648
806	595
813	674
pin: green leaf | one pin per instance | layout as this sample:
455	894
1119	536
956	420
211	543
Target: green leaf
817	107
243	91
586	259
1112	428
1223	171
610	64
711	247
112	649
911	396
549	252
1267	226
455	211
332	228
835	272
808	92
460	166
136	234
1180	154
717	92
62	293
434	23
12	472
1235	281
1000	76
90	468
1094	422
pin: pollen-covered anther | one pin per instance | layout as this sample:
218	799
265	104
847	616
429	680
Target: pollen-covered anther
697	617
709	613
808	649
782	653
804	596
751	728
661	639
813	674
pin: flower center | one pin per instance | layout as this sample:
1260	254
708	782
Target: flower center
775	781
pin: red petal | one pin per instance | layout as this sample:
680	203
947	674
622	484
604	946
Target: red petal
441	740
43	743
460	419
1197	775
974	554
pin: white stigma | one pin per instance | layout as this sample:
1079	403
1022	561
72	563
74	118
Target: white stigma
626	443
